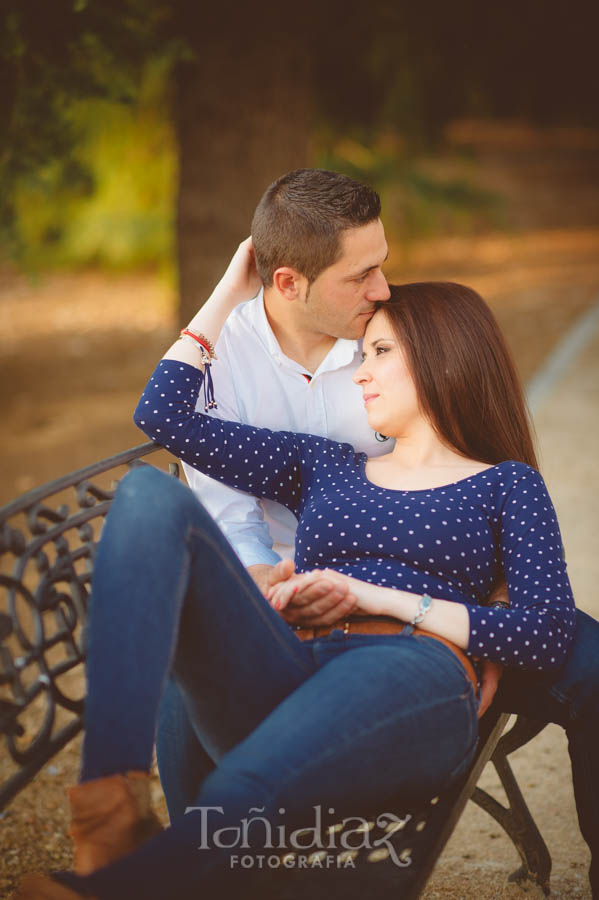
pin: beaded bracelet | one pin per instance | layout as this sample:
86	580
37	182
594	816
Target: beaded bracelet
205	347
203	352
202	340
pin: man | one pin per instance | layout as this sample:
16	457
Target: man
287	357
285	362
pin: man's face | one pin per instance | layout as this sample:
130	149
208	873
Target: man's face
340	302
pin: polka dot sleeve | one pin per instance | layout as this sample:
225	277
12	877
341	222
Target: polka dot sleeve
452	542
265	463
537	629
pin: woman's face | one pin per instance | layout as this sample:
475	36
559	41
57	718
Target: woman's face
387	385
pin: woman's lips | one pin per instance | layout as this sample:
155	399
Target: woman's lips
369	397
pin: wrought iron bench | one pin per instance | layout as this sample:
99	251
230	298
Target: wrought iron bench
47	544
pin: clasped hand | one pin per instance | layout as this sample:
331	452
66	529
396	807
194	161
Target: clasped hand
324	596
319	597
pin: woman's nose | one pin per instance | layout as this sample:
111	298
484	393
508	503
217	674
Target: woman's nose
361	374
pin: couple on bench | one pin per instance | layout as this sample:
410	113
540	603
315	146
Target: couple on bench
378	435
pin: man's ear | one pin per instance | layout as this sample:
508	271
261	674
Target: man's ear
289	283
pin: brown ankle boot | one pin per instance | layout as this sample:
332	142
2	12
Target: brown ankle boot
42	887
110	817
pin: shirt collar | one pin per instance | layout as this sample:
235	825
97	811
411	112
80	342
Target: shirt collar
341	353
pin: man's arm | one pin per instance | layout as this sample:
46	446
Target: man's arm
239	515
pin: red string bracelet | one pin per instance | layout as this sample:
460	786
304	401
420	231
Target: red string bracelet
207	354
201	340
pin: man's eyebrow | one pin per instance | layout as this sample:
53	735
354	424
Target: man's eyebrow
367	269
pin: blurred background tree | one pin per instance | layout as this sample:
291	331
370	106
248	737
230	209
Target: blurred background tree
142	132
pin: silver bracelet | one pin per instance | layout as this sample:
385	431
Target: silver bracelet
424	605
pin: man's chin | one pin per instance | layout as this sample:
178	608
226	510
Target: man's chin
353	331
357	329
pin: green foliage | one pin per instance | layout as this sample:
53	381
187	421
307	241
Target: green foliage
419	198
111	202
87	158
64	66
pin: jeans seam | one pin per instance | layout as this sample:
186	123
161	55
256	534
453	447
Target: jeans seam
175	642
564	700
328	753
205	536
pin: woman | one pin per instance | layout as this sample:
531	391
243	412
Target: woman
415	539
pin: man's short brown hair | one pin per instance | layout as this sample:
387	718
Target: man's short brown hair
300	218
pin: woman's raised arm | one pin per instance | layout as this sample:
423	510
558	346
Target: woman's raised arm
239	283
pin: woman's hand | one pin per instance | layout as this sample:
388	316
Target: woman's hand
319	597
241	280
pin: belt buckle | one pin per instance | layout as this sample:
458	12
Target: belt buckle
342	627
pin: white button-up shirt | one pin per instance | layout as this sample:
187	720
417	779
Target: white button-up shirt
257	384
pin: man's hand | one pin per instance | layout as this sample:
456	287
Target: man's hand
491	673
262	575
313	598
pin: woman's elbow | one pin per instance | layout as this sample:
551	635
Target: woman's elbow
145	420
556	654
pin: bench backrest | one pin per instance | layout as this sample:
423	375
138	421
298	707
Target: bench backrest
48	539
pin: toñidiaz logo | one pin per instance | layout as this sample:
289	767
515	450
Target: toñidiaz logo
256	831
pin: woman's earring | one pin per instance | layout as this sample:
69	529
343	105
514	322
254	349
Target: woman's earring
380	437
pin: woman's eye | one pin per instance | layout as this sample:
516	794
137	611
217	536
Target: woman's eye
377	352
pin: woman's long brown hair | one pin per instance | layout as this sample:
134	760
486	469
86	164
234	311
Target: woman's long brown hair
465	378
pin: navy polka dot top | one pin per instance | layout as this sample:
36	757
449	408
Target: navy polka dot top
451	542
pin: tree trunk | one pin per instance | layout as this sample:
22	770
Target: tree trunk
243	117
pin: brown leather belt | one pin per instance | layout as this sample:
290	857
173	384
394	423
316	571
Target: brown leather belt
383	625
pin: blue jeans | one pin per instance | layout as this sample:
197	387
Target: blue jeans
568	697
341	723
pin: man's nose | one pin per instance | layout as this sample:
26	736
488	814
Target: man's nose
379	289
